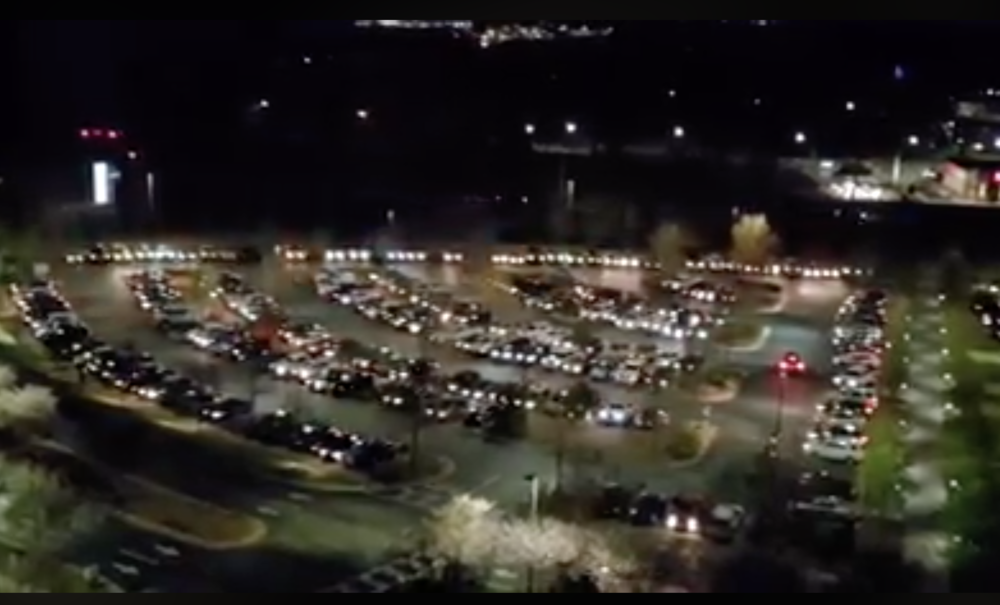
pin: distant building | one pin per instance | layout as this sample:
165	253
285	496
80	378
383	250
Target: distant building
975	129
972	178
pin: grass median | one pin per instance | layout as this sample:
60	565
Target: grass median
739	333
588	444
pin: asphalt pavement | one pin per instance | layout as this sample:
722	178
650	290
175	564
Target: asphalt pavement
335	529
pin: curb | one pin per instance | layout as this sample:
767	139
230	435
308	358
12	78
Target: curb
727	395
447	469
756	345
255	536
706	449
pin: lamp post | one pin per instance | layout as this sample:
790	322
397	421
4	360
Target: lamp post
534	505
912	142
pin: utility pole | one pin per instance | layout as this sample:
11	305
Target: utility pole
534	506
420	372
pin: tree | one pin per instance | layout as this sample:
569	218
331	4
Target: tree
584	337
561	222
474	532
956	275
580	400
41	513
465	530
753	242
27	409
669	246
601	222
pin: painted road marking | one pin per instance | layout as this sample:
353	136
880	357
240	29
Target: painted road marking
125	569
138	557
167	550
297	497
268	511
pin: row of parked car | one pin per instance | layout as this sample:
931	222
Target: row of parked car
623	310
154	293
537	345
684	515
312	357
839	434
316	360
117	253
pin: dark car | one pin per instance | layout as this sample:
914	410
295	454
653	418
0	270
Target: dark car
614	502
649	510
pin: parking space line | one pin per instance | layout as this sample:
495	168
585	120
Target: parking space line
138	557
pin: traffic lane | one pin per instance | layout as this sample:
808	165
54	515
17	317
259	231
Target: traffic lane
816	300
783	335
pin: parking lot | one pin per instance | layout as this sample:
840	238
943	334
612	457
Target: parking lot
800	325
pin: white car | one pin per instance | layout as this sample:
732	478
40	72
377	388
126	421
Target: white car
857	358
629	373
292	367
835	444
855	378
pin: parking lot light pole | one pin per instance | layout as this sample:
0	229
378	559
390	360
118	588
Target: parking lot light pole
421	373
779	411
534	506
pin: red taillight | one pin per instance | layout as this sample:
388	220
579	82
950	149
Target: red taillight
84	134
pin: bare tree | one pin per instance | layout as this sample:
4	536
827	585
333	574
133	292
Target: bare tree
753	241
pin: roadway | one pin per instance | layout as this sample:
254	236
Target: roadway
338	529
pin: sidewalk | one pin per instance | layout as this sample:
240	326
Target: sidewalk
925	490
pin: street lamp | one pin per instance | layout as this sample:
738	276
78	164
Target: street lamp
851	106
534	493
912	142
679	132
801	138
363	114
529	129
779	412
572	128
